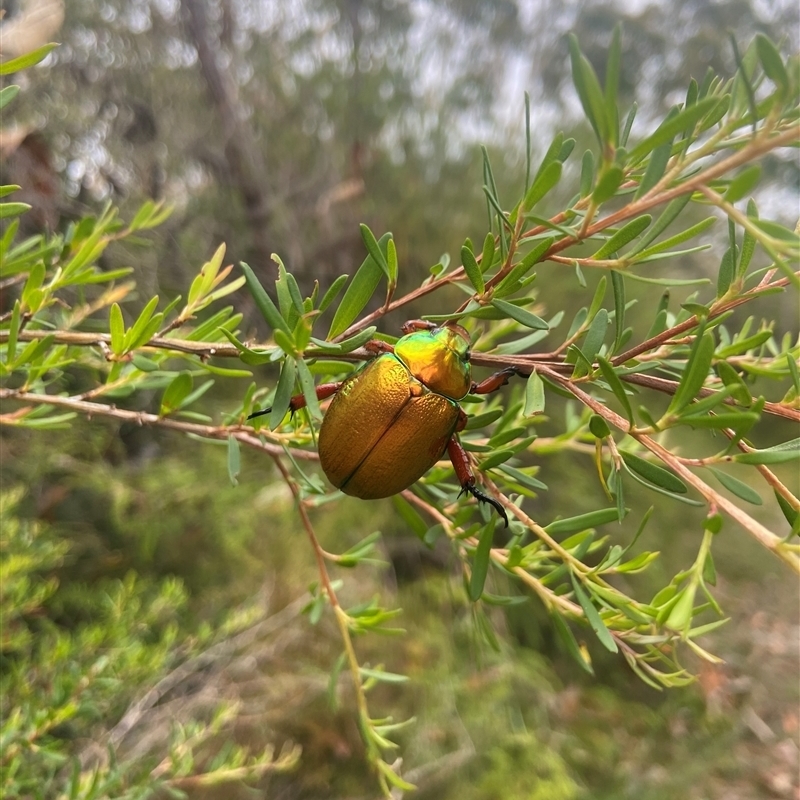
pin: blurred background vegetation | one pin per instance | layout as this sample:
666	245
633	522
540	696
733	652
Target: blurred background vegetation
278	127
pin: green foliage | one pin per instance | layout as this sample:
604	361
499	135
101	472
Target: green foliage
717	371
72	660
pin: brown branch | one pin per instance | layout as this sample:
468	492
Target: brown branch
711	496
755	149
242	434
670	387
82	339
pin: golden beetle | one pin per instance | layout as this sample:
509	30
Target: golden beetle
394	418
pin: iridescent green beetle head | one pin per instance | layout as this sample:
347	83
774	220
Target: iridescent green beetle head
439	358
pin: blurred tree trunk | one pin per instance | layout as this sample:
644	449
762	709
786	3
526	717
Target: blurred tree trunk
245	161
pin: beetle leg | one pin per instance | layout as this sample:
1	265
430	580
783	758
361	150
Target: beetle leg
494	382
299	401
377	347
467	479
417	325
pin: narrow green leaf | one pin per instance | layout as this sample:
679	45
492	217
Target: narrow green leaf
743	91
487	255
727	268
472	270
618	285
521	315
794	373
391	260
332	293
527	141
626	129
550	156
582	521
495	459
27	60
410	516
587	173
614	382
598	427
778	231
117	329
613	66
748	243
371	243
716	113
346	345
656	168
7	95
480	563
680	617
772	63
589	92
780	453
566	150
624	235
144	363
695	372
743	183
744	344
234	461
13	333
710	575
654	473
665	219
593	617
742	490
382	675
139	327
608	184
599	296
668	281
33	351
731	419
733	381
393	778
503	219
595	335
522	267
666	132
619	493
175	394
285	341
283	393
13	209
791	514
672	241
263	302
309	390
358	293
542	185
571	643
523	478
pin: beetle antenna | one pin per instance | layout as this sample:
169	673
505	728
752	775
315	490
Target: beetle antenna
484	498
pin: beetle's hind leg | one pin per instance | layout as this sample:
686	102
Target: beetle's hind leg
299	401
467	478
496	380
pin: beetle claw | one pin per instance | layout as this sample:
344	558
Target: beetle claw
484	498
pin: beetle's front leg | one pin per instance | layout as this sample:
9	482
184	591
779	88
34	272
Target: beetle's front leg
412	325
323	391
495	381
466	477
